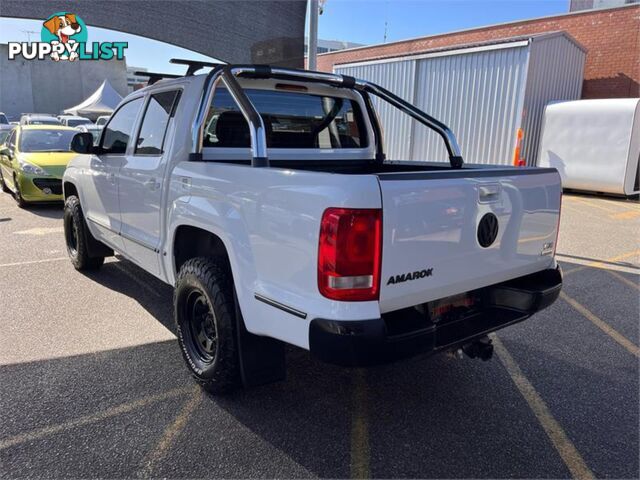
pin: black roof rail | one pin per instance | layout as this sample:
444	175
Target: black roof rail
154	77
194	65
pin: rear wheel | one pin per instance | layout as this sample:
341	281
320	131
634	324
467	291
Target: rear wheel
76	236
204	312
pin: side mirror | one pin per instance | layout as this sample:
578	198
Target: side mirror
82	143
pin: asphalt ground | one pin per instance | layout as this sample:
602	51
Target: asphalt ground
92	383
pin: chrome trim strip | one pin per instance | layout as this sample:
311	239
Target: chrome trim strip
138	242
124	235
102	225
280	306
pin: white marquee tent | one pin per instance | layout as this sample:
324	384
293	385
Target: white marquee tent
101	102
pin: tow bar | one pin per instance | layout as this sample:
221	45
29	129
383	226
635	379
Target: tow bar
481	348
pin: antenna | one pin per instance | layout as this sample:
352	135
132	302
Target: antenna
386	20
193	65
28	33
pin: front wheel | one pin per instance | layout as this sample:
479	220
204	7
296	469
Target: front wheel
3	185
17	195
204	312
75	234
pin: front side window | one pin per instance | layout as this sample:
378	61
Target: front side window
160	109
118	131
4	134
292	120
11	141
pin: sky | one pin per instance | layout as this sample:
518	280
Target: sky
360	21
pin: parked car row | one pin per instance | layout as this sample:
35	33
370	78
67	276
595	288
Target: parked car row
34	154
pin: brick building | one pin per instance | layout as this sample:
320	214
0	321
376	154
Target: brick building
611	37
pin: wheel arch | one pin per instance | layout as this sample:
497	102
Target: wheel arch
69	188
192	241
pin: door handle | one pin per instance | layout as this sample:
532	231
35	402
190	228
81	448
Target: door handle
489	193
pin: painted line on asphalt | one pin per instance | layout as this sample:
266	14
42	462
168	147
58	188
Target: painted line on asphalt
602	204
170	434
360	452
33	262
593	204
624	280
602	325
93	418
602	264
39	231
628	215
561	442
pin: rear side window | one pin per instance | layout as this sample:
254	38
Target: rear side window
292	120
118	131
160	109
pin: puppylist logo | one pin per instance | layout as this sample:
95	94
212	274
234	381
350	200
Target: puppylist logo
64	37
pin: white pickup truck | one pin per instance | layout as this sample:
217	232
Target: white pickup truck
263	196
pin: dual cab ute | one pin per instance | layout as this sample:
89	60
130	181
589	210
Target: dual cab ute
264	197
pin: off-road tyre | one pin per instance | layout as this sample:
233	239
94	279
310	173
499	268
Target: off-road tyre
204	298
3	186
77	236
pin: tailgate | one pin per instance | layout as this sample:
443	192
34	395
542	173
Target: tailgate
448	232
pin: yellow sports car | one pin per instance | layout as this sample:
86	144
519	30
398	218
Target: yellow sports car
32	161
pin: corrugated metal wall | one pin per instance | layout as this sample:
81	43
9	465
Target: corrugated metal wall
398	77
556	71
484	96
480	96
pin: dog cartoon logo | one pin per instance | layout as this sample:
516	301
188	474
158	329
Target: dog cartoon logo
64	29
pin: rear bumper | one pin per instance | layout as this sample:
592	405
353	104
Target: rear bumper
375	341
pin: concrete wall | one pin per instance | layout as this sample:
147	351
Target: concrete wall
45	86
611	37
231	30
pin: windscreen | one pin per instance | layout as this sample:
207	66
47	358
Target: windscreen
46	140
292	120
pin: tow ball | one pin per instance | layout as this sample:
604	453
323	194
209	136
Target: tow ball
481	348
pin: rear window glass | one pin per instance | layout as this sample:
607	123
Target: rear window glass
292	120
44	121
75	122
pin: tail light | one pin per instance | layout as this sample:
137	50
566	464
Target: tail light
517	161
349	254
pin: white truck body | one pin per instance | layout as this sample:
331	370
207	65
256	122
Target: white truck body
594	144
269	218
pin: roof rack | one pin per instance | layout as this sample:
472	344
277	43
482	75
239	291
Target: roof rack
154	77
194	65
